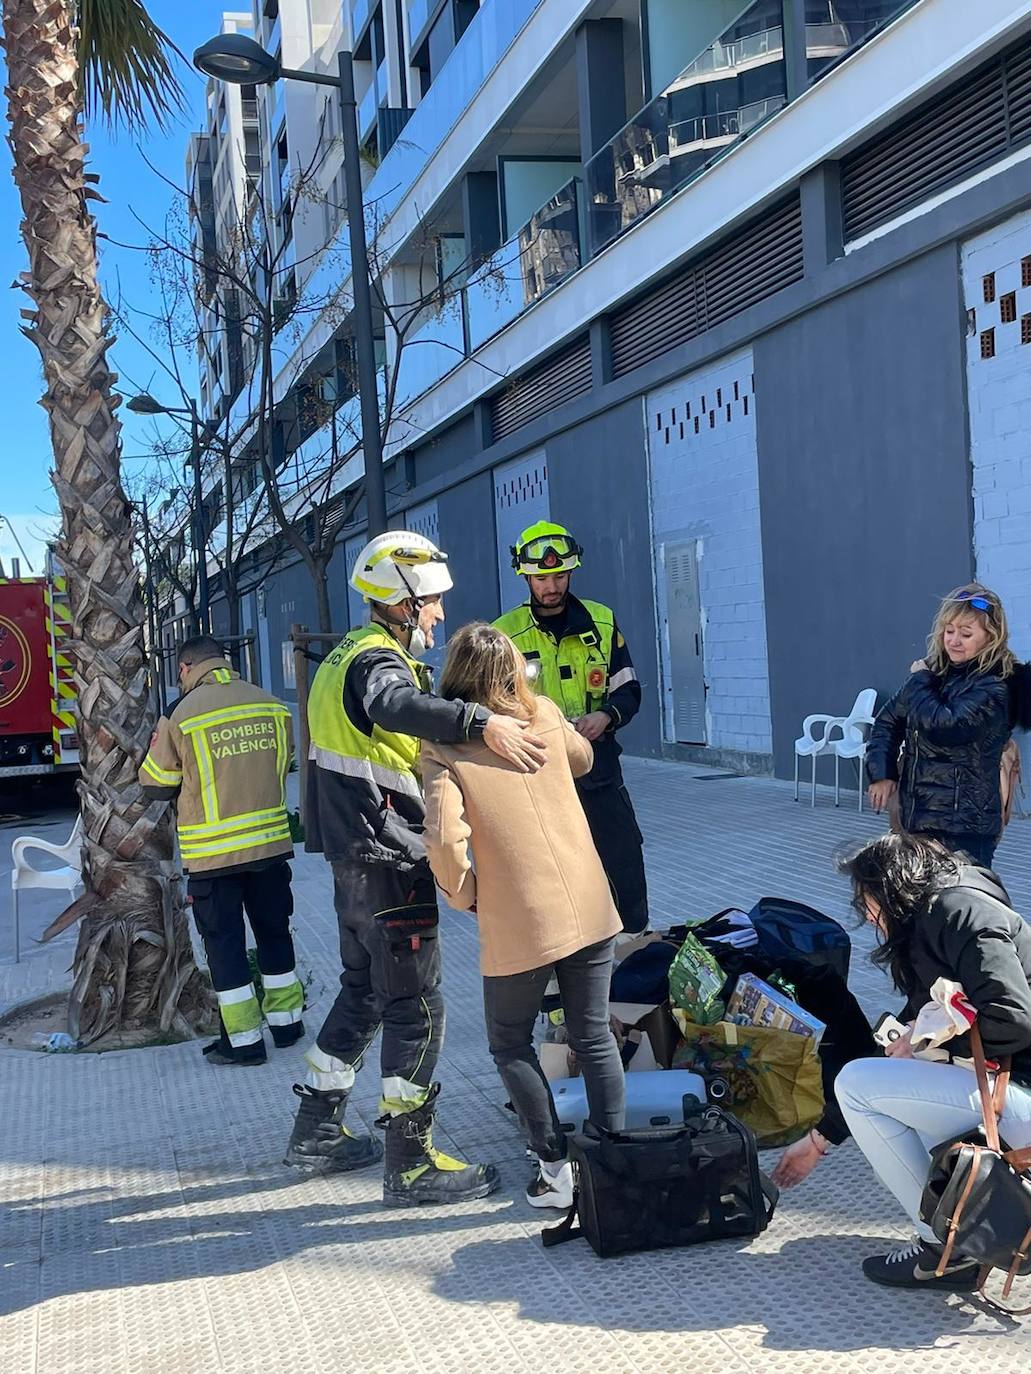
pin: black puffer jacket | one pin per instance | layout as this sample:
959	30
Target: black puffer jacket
954	728
970	933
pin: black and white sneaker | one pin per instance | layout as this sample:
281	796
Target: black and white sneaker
553	1186
913	1266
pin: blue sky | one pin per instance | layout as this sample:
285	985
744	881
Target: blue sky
128	184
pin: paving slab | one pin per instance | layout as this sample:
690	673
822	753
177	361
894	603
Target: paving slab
147	1225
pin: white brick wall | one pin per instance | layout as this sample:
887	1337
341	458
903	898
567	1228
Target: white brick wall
705	486
999	400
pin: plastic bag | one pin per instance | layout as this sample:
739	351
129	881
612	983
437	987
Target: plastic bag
775	1078
795	939
696	982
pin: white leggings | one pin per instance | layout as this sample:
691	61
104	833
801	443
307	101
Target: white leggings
898	1110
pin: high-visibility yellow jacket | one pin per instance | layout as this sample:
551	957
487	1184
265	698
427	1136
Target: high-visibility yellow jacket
224	753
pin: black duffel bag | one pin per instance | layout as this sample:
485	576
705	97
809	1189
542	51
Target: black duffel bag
977	1199
652	1189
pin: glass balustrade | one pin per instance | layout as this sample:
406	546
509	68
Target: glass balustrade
719	98
543	253
834	28
367	107
359	15
418	16
430	352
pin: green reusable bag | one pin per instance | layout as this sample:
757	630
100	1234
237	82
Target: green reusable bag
695	983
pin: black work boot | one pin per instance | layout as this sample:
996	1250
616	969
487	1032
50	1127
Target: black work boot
416	1174
223	1054
320	1140
285	1036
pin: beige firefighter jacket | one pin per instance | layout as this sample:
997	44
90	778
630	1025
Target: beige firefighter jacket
224	754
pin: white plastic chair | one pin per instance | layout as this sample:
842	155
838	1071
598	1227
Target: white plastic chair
813	743
67	878
853	737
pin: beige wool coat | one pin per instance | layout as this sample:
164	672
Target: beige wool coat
538	887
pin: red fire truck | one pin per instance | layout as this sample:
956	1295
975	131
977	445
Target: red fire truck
37	691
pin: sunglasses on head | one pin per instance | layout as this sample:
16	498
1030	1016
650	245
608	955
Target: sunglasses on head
975	599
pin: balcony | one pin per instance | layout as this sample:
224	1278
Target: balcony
359	17
719	98
367	107
430	352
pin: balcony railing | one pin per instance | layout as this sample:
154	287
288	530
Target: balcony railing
430	352
359	16
719	98
418	17
367	107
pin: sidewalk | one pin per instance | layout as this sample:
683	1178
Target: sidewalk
147	1226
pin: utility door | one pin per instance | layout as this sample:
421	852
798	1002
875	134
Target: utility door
520	499
686	676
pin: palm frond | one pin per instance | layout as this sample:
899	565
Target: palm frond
127	65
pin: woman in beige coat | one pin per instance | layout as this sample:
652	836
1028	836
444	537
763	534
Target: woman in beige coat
515	849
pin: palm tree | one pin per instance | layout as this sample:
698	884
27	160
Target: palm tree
134	966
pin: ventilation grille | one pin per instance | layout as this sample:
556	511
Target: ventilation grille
562	377
974	123
757	261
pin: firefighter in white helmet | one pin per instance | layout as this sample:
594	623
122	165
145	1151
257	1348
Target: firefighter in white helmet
370	704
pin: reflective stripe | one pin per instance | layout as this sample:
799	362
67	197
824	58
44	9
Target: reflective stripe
244	821
328	1074
244	1037
166	777
222	675
228	997
401	1096
283	754
623	676
200	849
283	1018
229	714
279	980
364	768
206	774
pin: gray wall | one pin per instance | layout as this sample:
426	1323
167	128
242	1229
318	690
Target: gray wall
466	515
598	487
864	486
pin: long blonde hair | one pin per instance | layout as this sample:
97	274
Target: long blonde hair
996	656
484	666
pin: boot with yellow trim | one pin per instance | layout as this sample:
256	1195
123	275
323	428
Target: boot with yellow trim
415	1174
320	1140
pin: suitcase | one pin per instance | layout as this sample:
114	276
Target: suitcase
653	1098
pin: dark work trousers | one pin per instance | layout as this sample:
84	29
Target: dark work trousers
512	1004
618	840
390	952
219	900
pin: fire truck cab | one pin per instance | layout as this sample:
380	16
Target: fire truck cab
37	690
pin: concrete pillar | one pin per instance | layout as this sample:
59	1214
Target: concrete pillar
601	83
823	238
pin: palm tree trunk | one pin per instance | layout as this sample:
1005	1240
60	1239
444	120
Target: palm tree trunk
134	965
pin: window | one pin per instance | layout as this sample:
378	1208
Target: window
834	27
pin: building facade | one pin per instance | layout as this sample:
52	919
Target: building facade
740	292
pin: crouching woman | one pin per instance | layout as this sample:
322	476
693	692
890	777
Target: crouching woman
538	889
935	917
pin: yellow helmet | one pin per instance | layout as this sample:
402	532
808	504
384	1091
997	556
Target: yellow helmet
545	548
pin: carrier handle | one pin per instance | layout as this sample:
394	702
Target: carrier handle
565	1230
771	1193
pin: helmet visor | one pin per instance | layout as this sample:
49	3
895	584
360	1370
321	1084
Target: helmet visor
549	553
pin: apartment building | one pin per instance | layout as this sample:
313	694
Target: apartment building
740	292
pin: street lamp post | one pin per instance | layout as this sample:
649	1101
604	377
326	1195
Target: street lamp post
235	58
145	404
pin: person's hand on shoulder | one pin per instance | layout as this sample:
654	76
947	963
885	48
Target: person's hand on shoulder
513	740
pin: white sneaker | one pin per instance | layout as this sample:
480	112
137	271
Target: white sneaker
553	1186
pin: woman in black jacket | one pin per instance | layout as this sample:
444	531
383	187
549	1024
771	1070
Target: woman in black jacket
935	918
951	718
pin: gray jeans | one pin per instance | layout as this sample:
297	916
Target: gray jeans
898	1110
512	1004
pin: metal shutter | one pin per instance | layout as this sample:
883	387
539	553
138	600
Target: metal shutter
974	123
550	384
754	263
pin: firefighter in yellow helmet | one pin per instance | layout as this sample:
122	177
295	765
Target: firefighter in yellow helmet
370	705
576	655
222	756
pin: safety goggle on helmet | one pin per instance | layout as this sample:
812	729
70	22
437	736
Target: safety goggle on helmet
546	553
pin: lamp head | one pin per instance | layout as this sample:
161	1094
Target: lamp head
235	58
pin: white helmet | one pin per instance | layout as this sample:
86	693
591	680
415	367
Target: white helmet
398	565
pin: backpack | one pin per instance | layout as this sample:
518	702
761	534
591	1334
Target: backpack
652	1189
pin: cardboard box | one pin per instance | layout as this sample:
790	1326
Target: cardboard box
763	1005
